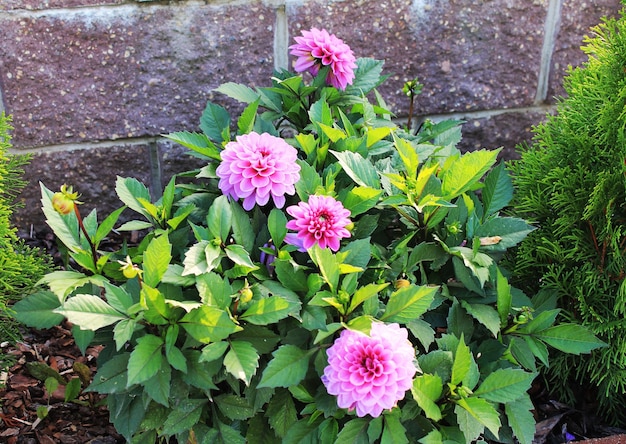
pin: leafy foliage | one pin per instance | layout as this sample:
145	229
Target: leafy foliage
571	182
216	328
20	266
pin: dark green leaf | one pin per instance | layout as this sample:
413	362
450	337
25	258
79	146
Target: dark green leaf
208	324
367	76
219	219
354	432
111	376
37	310
521	419
570	338
287	367
234	407
505	385
242	228
158	387
409	303
281	412
184	416
213	121
498	190
145	360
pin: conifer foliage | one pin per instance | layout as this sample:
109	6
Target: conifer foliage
20	266
571	181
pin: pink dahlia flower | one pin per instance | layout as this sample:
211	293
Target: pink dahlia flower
256	167
370	373
321	221
317	48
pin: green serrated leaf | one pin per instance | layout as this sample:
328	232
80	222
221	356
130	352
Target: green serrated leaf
281	412
197	142
360	170
89	312
112	376
37	310
145	360
219	219
241	361
367	76
238	91
239	256
521	419
498	190
185	415
234	407
287	367
461	175
473	414
63	282
485	314
208	324
505	385
267	310
158	387
570	338
508	231
354	431
426	390
72	389
156	259
245	123
358	200
213	121
242	228
409	303
131	192
364	293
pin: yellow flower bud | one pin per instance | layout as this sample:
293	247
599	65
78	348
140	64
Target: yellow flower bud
128	269
245	295
401	283
64	201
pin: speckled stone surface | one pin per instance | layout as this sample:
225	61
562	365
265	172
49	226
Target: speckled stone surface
93	172
126	71
505	130
577	18
33	5
469	55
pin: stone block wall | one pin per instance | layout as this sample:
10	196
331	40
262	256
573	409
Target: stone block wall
92	84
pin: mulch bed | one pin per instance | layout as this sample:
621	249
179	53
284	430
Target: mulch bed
84	420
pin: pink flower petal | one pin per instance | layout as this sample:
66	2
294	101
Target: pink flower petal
370	373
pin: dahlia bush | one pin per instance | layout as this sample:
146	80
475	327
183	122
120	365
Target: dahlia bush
328	276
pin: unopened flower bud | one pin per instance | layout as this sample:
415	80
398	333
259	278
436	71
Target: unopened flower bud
343	297
245	295
401	283
64	201
128	269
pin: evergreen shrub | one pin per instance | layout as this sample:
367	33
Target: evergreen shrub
20	266
571	183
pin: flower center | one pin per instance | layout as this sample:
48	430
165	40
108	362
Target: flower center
372	366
